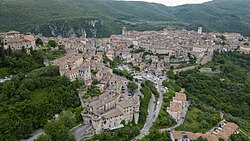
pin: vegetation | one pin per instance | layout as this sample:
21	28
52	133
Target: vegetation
201	139
239	137
123	73
32	100
33	95
21	62
140	49
65	16
152	87
200	120
145	90
227	92
92	91
170	84
52	43
132	86
164	120
156	135
115	63
170	74
57	131
39	42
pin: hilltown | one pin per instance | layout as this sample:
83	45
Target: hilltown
150	52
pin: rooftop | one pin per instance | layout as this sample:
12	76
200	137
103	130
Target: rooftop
180	96
175	106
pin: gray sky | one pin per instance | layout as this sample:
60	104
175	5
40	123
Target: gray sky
175	2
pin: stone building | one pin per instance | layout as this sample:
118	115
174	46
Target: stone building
16	41
178	103
108	110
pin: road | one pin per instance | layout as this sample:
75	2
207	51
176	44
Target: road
34	135
82	131
153	114
149	121
5	79
244	133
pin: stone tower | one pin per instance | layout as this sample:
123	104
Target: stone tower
200	30
124	30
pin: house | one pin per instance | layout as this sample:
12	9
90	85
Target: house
177	105
189	136
226	130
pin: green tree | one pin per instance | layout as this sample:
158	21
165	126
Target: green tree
43	138
52	43
39	42
221	139
170	74
58	131
68	118
201	139
132	87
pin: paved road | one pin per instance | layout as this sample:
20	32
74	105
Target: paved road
82	131
34	135
152	116
244	133
149	121
3	80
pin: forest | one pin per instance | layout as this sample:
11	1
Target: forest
61	17
34	94
227	92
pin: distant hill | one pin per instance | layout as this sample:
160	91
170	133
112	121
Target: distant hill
66	17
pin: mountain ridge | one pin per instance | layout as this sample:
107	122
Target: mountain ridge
73	15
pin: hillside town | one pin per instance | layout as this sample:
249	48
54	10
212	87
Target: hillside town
149	54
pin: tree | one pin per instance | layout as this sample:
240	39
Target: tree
68	118
221	139
52	43
201	139
170	74
132	86
58	131
39	42
43	138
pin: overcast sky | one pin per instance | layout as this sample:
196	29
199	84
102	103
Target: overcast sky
174	2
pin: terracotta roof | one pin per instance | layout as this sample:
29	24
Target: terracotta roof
29	38
227	130
180	96
175	106
193	136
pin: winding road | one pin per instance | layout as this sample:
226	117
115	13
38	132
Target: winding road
153	108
